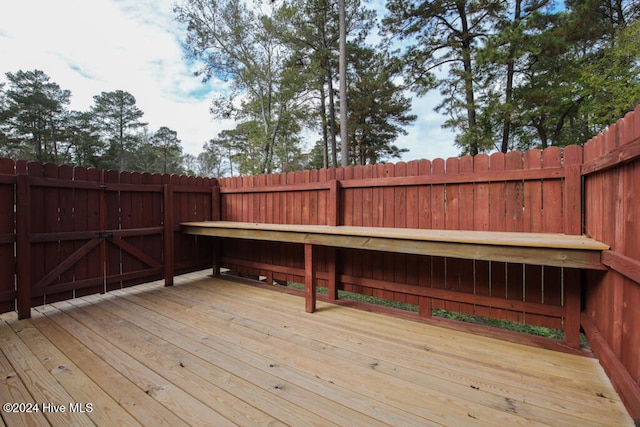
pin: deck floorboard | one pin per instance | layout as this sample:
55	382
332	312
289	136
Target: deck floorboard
213	352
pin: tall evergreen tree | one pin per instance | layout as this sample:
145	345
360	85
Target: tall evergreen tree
84	140
524	73
311	29
118	116
378	110
168	150
444	35
501	65
607	34
581	72
4	122
34	116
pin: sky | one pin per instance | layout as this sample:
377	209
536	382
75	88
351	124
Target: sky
90	47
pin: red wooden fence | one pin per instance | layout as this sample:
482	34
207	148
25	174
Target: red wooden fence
77	231
612	212
531	192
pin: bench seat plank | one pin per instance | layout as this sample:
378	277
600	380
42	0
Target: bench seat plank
551	249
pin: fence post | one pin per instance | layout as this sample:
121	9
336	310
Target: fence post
573	224
23	245
572	190
103	225
169	259
425	306
333	219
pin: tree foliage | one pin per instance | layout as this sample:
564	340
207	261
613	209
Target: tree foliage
282	62
118	116
239	44
311	30
511	75
35	124
33	116
378	110
446	34
521	74
160	152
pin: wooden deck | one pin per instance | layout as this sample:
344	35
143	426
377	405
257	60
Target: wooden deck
214	352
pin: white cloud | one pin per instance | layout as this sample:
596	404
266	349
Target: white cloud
426	139
102	46
98	46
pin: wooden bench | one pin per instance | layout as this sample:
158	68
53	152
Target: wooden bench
548	249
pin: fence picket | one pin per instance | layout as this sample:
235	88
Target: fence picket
466	222
481	222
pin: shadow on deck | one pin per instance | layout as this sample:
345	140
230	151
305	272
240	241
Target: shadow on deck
213	352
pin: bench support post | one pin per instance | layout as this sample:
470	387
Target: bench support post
216	255
309	282
572	288
332	281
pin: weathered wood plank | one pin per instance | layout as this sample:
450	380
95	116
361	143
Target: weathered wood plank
7	235
552	219
514	221
120	353
261	368
515	239
452	222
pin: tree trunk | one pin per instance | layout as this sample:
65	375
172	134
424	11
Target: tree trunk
508	93
332	117
266	165
325	132
542	133
344	135
468	80
121	142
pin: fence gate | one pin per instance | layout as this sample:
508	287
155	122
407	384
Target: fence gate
69	231
82	231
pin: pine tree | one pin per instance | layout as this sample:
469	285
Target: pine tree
118	115
378	110
35	116
444	35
